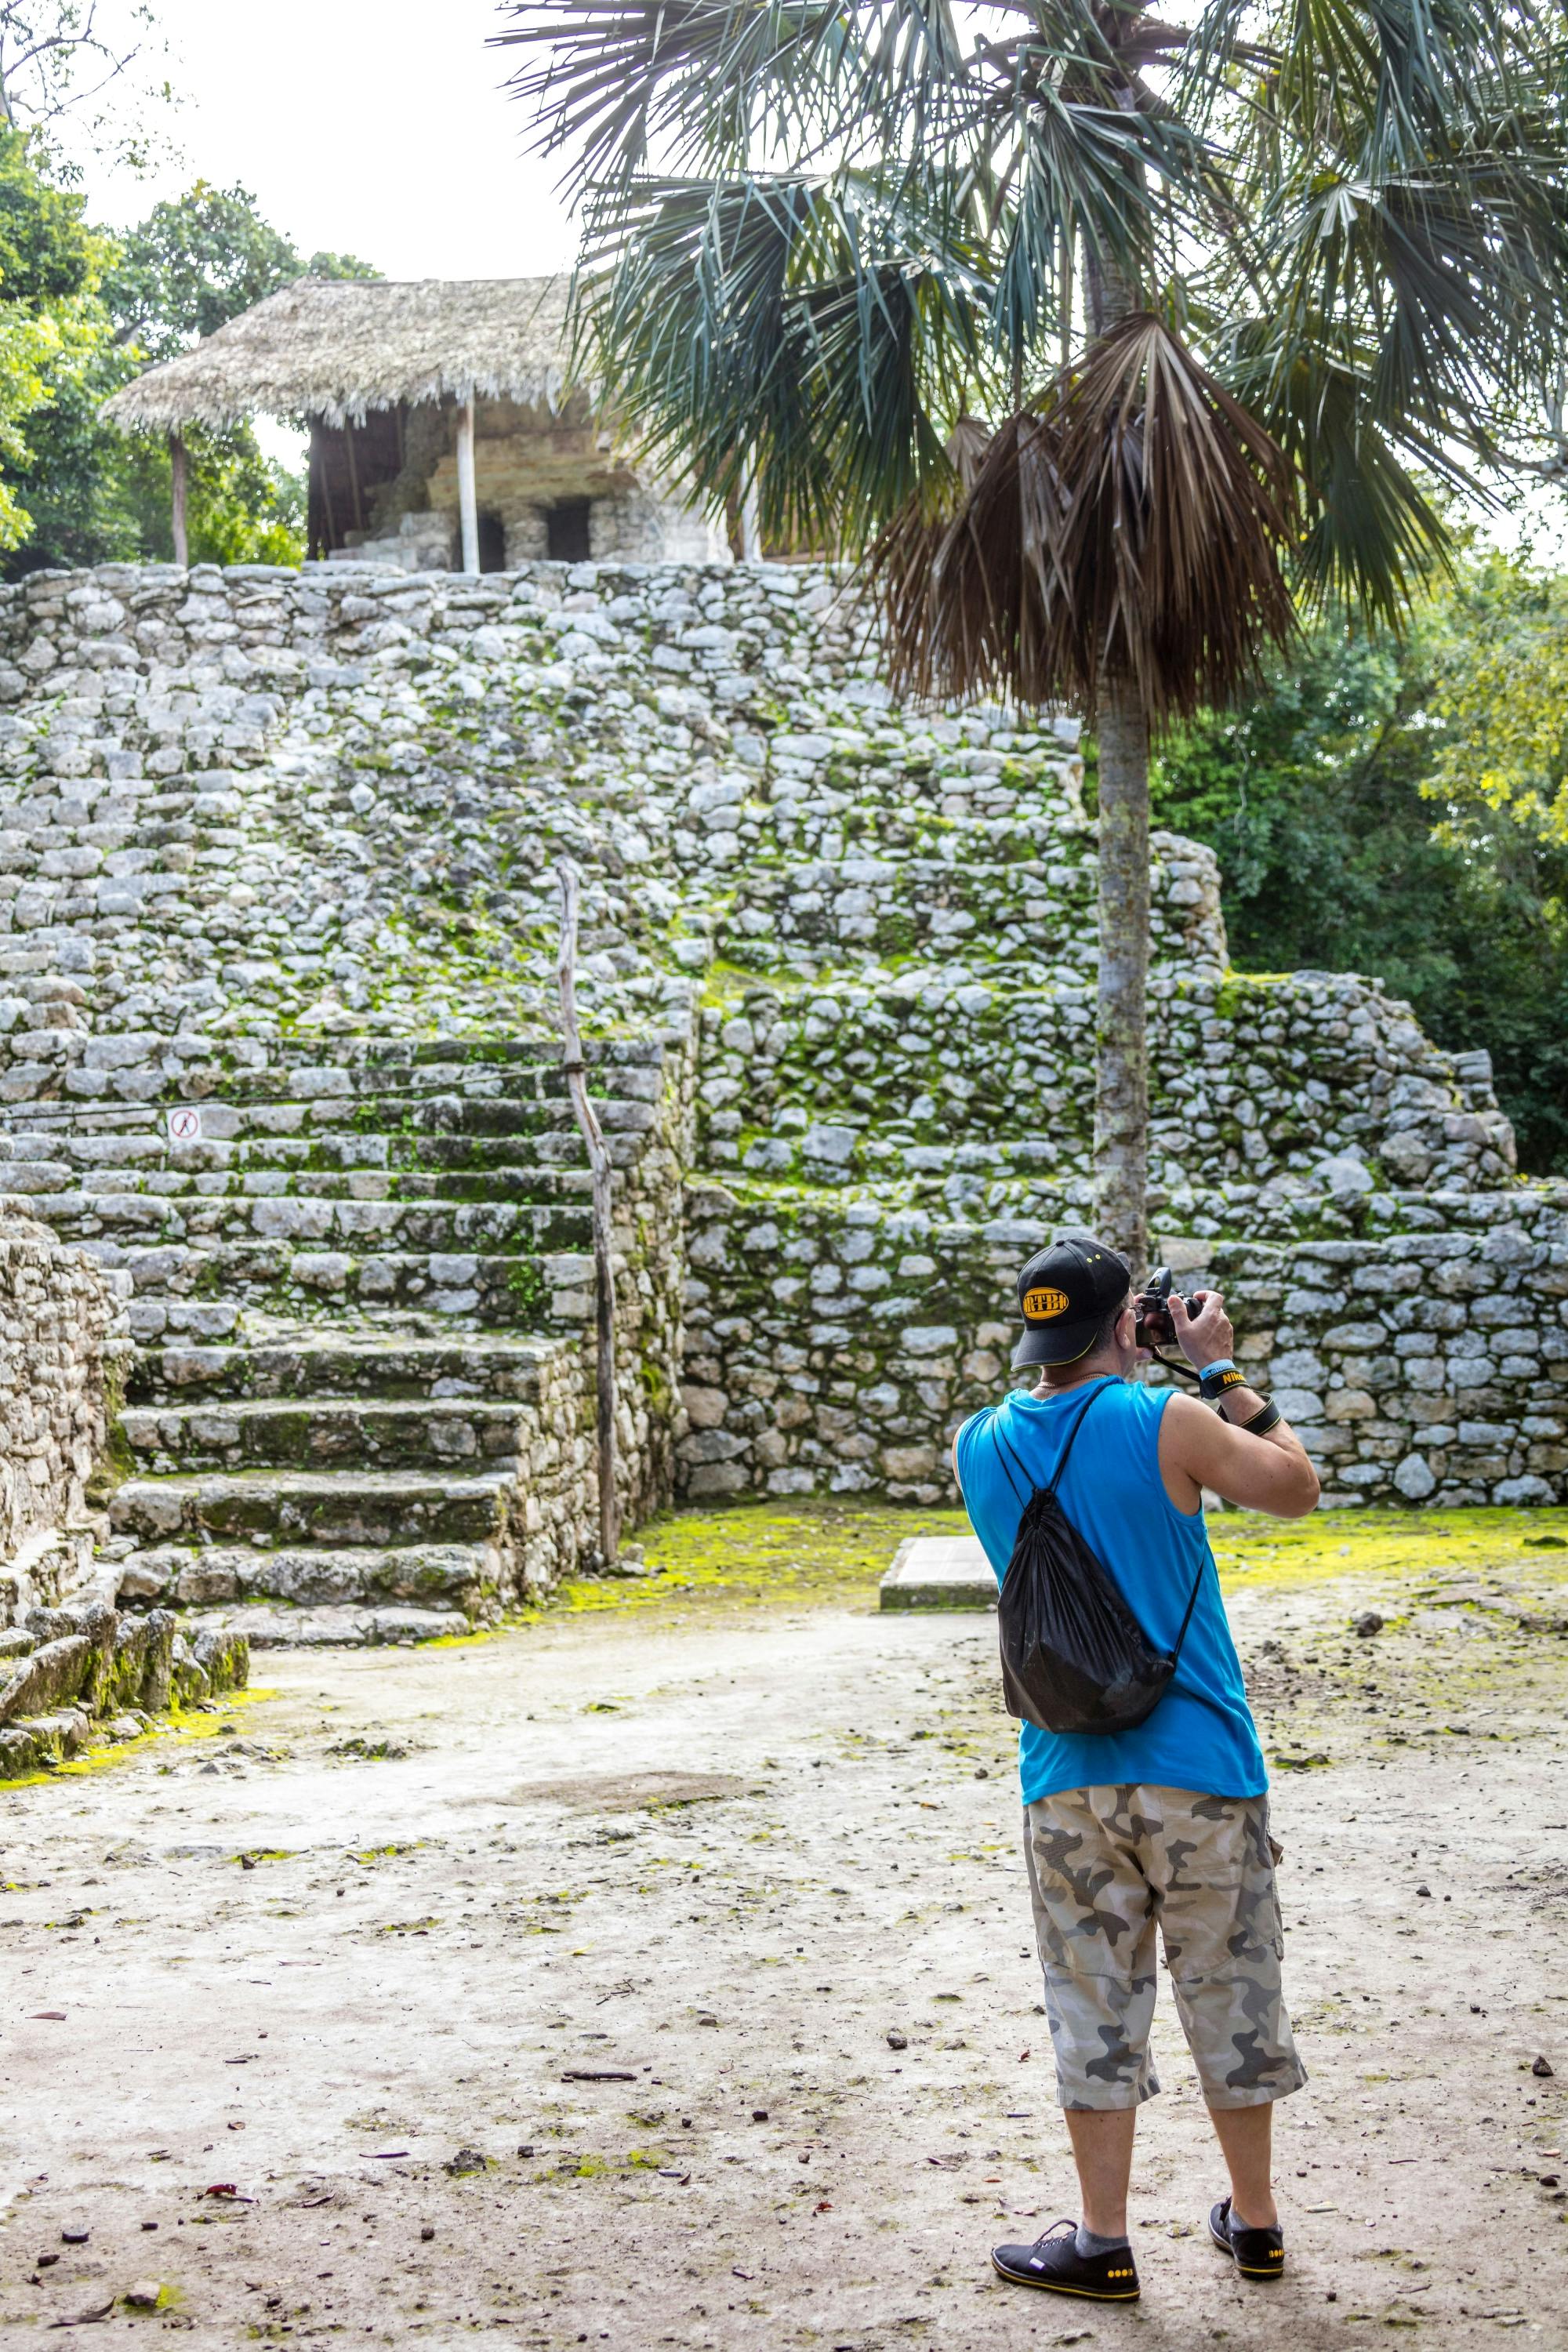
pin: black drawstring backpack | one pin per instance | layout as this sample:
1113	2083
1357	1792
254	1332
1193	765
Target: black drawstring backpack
1074	1657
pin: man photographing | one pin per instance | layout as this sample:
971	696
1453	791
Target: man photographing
1164	1825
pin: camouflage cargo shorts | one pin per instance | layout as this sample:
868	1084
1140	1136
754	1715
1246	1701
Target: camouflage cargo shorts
1107	1867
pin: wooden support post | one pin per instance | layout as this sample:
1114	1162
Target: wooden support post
576	1078
467	496
354	475
750	521
177	498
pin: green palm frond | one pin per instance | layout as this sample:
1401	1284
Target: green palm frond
875	221
812	332
721	83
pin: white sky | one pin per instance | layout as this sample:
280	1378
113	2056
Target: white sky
377	129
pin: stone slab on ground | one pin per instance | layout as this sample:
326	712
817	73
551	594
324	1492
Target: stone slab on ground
939	1572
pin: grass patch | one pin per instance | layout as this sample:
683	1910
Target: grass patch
1395	1546
823	1551
810	1551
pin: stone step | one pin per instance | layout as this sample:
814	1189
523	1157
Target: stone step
379	1508
534	1074
444	1226
374	1058
313	1433
410	1117
858	906
279	1627
510	1288
556	1152
95	1176
848	1151
460	1576
381	1359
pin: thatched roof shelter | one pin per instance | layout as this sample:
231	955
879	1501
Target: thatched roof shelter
335	349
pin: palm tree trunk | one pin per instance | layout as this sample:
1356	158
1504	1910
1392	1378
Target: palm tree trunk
1122	1072
1121	1091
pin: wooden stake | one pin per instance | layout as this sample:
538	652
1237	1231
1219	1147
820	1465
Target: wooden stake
177	498
576	1076
329	520
467	496
751	520
353	474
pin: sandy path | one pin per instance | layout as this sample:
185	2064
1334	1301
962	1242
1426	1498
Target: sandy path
430	1945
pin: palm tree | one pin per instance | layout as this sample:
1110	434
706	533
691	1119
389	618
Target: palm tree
1107	341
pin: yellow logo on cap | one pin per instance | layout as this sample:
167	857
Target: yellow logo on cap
1040	1305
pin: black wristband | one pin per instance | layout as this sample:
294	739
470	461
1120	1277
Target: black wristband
1262	1423
1213	1386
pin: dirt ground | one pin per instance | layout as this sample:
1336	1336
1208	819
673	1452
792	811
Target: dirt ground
544	1989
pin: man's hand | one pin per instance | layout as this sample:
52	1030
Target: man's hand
1208	1338
1268	1472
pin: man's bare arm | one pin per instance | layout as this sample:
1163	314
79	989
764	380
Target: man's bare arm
1268	1472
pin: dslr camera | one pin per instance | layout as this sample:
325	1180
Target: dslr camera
1154	1310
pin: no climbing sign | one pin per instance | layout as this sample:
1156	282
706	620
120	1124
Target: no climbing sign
186	1124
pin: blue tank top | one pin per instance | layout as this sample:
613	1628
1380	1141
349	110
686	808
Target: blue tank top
1201	1736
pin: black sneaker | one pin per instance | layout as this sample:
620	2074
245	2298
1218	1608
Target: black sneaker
1054	2262
1257	2253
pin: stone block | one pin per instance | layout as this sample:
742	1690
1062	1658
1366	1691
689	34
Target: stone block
1414	1478
52	1674
1527	1491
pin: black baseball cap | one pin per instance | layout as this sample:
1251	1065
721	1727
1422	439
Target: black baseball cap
1065	1293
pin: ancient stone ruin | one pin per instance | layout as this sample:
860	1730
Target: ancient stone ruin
277	853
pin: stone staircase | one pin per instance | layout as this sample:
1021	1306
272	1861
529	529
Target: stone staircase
358	1290
282	848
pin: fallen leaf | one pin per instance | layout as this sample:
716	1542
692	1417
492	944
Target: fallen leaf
55	2017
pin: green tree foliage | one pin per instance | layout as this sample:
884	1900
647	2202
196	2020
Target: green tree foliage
1340	802
1502	698
197	262
48	263
79	491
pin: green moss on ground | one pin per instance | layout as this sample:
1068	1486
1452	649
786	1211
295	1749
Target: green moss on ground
764	1553
822	1550
1255	1551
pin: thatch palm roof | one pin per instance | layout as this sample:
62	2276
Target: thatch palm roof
334	347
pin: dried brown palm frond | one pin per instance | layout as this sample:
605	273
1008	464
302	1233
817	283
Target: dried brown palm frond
905	556
1132	529
959	580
